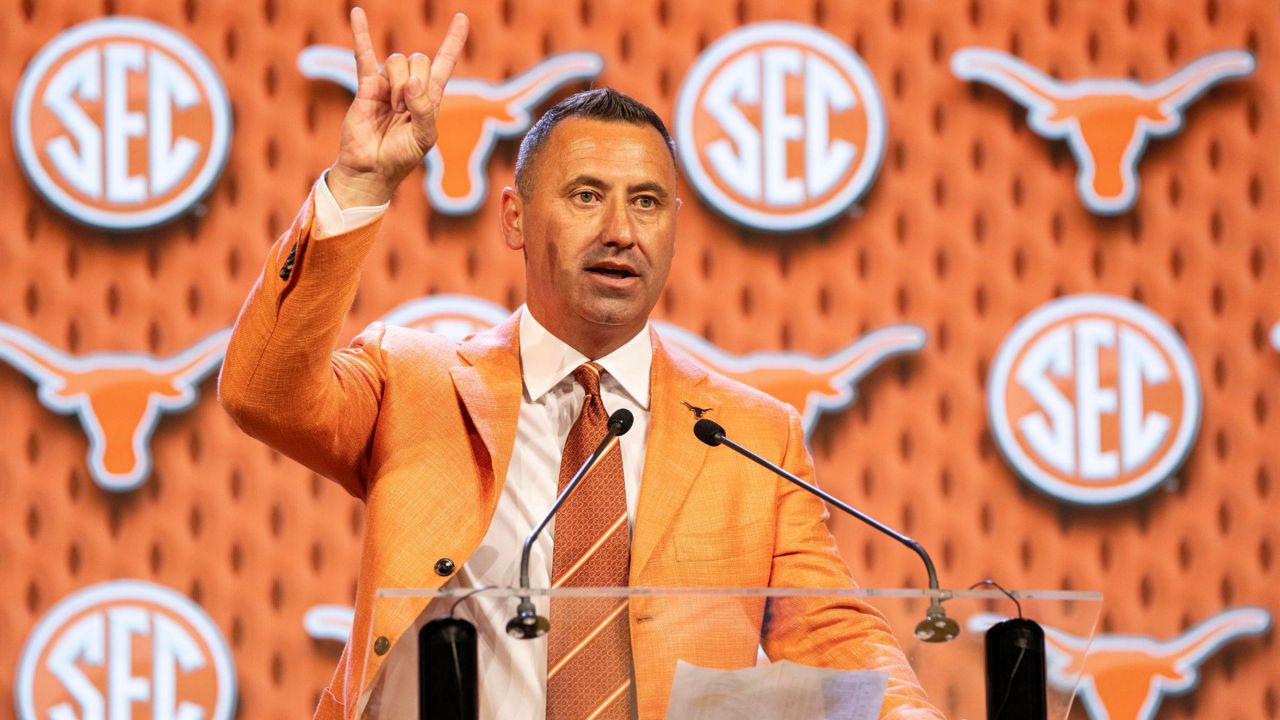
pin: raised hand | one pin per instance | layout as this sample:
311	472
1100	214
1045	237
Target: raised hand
391	123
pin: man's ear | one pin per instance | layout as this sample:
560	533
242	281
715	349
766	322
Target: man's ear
512	218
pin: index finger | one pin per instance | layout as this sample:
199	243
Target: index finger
366	59
447	56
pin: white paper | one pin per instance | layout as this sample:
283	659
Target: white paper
779	691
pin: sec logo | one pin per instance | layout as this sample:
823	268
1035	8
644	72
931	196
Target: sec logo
126	649
780	126
1094	399
121	123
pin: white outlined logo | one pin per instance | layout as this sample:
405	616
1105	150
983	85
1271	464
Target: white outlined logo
122	649
1127	677
1094	399
780	126
121	123
475	115
118	397
812	385
1105	121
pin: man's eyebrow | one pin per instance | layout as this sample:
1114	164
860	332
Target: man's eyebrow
590	181
650	187
587	180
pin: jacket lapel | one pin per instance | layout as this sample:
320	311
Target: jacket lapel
490	388
673	456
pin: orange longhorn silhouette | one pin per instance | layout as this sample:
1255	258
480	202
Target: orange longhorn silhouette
117	396
473	116
1106	122
1125	677
808	384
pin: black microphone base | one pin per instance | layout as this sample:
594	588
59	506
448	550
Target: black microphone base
447	684
1016	688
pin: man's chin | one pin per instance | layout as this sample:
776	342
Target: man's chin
616	315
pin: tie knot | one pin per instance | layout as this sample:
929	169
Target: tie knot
588	376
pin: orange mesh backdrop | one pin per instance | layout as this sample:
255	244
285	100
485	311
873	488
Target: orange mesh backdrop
973	221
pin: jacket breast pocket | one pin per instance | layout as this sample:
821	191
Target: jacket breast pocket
747	543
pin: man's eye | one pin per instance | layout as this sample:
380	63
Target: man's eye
647	202
586	196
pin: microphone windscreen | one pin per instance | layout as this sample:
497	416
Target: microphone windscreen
708	431
620	421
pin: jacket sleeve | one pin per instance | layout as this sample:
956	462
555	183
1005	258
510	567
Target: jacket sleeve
281	382
845	632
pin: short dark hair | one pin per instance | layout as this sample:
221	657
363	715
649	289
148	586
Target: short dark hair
598	104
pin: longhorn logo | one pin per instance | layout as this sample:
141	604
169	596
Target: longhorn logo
811	385
1125	677
329	622
474	117
117	396
1106	122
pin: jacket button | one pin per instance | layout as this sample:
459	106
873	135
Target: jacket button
381	645
288	263
444	567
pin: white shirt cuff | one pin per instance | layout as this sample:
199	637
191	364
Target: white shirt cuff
333	220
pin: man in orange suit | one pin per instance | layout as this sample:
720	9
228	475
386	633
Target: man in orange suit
455	447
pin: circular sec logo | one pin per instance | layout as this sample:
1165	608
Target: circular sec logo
121	123
125	649
780	126
1094	399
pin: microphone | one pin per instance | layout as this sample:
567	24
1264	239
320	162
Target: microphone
447	672
936	626
528	624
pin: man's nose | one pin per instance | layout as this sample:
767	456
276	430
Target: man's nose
619	226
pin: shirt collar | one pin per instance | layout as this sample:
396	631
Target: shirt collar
545	360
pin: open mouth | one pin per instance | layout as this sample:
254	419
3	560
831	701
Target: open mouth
620	272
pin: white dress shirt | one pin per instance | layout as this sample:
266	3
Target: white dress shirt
513	682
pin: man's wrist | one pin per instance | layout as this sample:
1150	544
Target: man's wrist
356	189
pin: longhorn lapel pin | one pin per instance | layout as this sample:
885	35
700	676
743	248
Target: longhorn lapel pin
698	412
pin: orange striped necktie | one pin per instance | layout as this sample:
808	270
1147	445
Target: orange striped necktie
589	644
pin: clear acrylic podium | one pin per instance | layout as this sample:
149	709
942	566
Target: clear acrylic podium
721	628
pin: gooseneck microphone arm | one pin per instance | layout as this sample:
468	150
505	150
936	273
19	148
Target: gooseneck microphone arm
936	627
718	437
527	623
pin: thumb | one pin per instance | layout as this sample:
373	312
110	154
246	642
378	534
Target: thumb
421	111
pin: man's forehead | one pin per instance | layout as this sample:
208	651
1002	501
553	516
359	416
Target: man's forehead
621	149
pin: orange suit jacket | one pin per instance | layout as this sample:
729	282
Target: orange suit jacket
422	428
